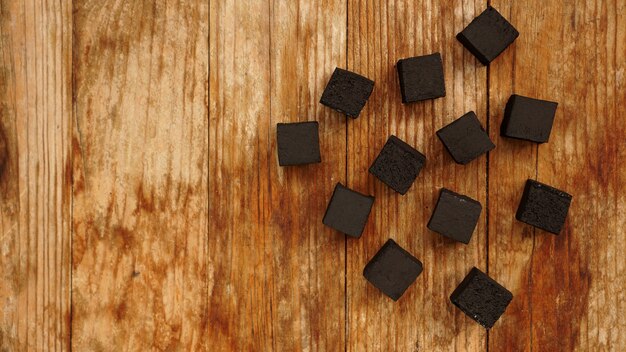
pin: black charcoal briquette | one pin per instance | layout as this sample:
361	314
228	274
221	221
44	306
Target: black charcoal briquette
455	216
347	92
421	78
298	143
481	298
398	164
488	35
392	270
348	211
528	119
543	206
465	139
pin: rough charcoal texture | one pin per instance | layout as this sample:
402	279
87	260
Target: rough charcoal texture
421	78
527	118
455	216
544	207
347	92
392	270
397	165
481	298
348	211
465	139
298	143
488	35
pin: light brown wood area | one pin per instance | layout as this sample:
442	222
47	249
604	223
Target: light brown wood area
142	206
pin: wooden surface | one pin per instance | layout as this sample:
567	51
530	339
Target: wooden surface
140	240
423	319
35	174
142	206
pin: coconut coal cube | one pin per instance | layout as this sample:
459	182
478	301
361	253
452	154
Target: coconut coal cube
398	164
543	206
348	211
421	78
392	270
528	119
465	139
455	216
481	298
488	35
298	143
347	92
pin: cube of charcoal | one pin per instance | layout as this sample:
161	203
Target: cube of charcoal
348	211
347	92
421	78
544	207
481	298
455	216
298	143
398	164
392	270
465	139
528	119
488	35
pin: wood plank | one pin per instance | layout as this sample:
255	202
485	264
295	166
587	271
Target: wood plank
35	174
568	286
510	165
380	33
239	289
308	42
140	175
276	274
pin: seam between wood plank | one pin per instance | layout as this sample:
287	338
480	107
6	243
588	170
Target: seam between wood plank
74	119
345	238
207	98
269	187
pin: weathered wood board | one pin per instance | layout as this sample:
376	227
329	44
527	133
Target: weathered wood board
140	170
380	33
142	206
35	174
569	291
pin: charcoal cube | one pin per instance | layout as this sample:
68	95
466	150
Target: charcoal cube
298	143
348	211
398	164
421	78
392	270
543	206
481	298
465	139
488	35
347	92
455	216
528	119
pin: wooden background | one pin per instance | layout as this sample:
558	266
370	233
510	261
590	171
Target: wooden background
142	206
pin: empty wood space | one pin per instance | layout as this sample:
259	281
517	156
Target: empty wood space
142	206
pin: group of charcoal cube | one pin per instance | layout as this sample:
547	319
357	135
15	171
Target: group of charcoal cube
392	270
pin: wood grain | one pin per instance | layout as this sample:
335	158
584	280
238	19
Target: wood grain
142	206
308	42
140	176
276	274
380	33
35	174
569	288
510	246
